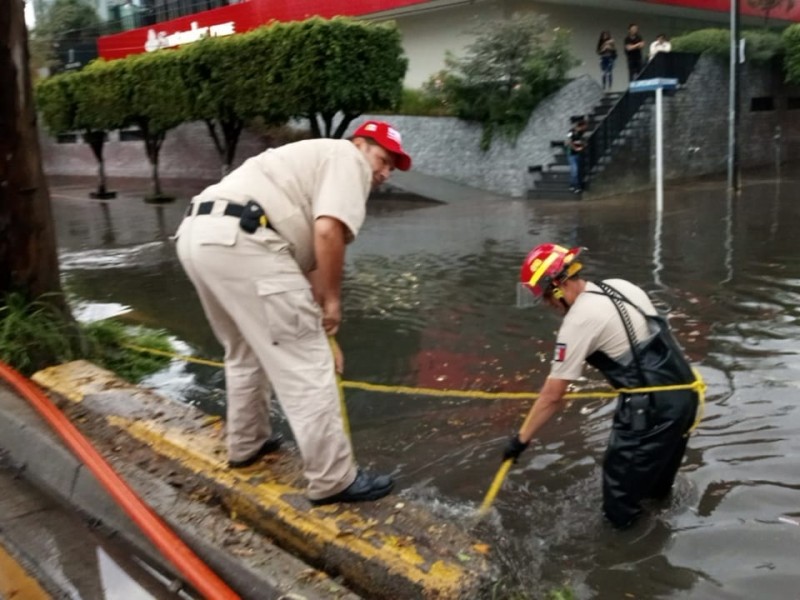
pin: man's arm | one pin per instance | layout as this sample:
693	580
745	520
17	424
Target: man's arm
548	404
326	279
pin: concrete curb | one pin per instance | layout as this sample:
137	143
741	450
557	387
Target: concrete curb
33	449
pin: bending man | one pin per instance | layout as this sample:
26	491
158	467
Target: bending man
265	250
613	326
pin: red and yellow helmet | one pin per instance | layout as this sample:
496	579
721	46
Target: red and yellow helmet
546	267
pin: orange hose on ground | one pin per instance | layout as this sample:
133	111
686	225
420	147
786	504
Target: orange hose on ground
171	546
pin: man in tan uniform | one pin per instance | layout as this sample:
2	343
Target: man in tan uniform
265	250
613	326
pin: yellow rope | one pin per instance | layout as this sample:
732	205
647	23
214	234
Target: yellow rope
698	385
342	404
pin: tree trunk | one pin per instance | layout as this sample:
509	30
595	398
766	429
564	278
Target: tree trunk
344	124
315	130
152	144
28	259
96	141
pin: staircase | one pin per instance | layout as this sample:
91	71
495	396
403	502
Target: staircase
611	122
553	182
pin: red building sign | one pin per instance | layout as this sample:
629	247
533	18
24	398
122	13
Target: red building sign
236	18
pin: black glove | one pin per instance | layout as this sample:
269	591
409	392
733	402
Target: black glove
514	448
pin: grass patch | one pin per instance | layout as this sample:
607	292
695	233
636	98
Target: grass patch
35	335
108	340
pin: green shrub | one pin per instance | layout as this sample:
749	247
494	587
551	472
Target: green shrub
791	41
35	335
38	335
109	341
422	102
512	65
760	45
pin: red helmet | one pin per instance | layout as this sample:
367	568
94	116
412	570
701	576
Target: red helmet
547	266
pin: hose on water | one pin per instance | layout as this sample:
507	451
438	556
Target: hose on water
196	572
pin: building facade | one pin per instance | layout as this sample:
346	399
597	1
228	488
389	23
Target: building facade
431	28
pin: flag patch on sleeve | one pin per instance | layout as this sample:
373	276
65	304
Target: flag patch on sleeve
561	353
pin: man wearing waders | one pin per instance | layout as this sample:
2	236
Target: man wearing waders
613	326
265	251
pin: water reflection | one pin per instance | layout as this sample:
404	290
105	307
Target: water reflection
429	297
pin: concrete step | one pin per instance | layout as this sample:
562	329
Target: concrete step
535	194
555	186
560	176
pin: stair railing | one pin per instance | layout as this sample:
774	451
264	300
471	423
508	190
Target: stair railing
677	65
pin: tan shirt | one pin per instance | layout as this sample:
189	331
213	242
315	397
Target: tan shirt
593	323
296	184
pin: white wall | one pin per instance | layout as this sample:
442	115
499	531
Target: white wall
429	34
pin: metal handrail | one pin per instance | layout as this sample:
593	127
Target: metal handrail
677	65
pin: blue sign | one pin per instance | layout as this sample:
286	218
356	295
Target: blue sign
650	85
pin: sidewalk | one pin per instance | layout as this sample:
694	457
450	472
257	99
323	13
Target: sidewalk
264	571
173	456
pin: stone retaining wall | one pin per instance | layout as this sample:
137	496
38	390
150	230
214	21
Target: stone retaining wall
695	127
442	146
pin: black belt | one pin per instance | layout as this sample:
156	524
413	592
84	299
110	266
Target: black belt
205	208
231	210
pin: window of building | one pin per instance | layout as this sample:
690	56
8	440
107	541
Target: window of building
762	103
130	135
67	138
793	103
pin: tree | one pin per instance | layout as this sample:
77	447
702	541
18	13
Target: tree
28	259
791	39
62	101
157	101
510	67
767	6
340	67
64	22
230	80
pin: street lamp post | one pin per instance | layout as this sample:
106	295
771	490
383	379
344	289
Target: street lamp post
734	182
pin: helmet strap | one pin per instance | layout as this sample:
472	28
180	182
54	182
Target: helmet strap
558	294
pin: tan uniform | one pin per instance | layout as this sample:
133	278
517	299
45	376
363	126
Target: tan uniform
593	324
256	296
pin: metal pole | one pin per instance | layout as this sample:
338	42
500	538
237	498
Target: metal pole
733	101
659	151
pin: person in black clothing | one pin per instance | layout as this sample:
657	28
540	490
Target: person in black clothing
633	50
575	145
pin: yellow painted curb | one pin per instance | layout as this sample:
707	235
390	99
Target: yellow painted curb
15	581
386	549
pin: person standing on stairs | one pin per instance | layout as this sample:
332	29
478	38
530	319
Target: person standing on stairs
575	145
633	50
606	49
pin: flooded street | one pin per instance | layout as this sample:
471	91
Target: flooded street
429	302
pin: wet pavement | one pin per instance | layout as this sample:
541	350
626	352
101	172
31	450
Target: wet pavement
429	294
49	551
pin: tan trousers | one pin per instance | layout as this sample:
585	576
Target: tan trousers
262	311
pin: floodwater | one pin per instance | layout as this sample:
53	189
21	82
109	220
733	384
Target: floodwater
429	294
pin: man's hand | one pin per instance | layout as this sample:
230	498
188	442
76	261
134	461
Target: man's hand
331	315
326	280
514	448
338	356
